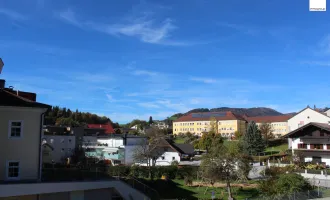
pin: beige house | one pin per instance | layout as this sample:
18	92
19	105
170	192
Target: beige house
279	123
21	154
21	129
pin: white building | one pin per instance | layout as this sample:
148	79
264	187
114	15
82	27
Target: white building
306	116
327	112
168	152
119	149
312	140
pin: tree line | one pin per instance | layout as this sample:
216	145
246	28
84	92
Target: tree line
66	117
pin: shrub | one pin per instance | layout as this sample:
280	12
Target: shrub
188	180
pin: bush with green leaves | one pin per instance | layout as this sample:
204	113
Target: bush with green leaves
284	185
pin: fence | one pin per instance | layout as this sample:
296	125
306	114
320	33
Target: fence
305	195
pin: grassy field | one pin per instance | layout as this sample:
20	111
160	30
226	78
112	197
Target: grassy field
177	190
280	148
179	140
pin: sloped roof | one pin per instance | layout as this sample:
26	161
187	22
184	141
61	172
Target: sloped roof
108	127
322	113
206	116
184	148
269	119
319	125
10	99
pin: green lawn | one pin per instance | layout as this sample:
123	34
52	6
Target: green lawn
179	140
280	148
177	190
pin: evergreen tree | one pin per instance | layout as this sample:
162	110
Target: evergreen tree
252	141
150	120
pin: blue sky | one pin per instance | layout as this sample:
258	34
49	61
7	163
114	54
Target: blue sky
132	59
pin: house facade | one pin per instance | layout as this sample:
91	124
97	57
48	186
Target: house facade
279	123
21	127
118	149
327	112
227	123
312	141
306	116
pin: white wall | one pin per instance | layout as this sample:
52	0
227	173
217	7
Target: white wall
295	142
167	158
307	116
112	142
63	145
327	112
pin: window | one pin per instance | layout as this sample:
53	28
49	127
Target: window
15	129
318	146
302	146
322	134
13	170
163	157
69	140
173	158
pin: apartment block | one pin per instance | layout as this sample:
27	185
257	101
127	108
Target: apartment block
279	123
226	122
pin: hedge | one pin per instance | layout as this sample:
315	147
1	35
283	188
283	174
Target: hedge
171	172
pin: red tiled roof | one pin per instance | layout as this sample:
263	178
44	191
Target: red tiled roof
108	127
268	119
227	116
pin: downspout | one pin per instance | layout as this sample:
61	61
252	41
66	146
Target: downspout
40	140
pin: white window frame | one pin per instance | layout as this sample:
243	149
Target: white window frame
10	126
7	170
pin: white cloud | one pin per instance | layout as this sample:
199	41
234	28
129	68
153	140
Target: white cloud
204	80
145	72
110	98
146	30
325	44
94	78
148	105
317	63
12	14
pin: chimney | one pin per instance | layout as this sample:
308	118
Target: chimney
2	83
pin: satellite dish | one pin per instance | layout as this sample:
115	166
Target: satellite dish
1	65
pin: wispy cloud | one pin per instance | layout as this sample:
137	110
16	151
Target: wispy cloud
325	45
12	14
204	80
241	28
144	72
70	17
148	105
146	30
93	78
316	63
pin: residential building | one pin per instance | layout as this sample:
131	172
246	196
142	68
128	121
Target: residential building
306	116
312	141
197	123
118	149
160	125
168	152
21	123
21	127
279	123
108	127
327	112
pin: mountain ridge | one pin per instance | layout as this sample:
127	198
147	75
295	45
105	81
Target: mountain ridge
251	112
